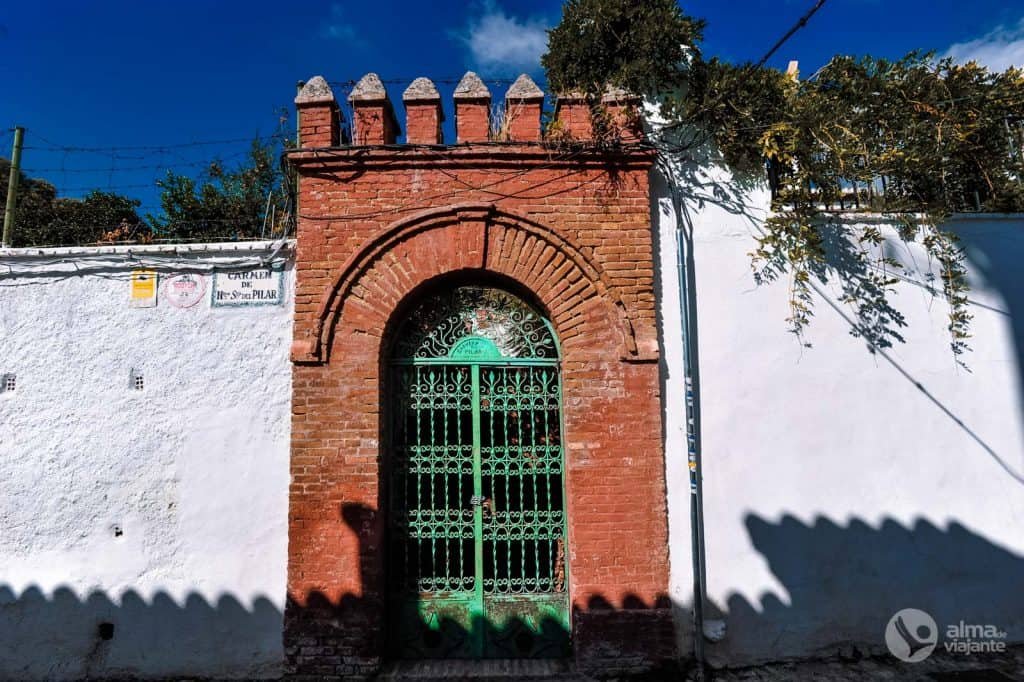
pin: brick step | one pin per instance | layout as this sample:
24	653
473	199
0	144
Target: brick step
495	670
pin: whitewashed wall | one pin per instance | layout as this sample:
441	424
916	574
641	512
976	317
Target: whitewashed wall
840	485
193	469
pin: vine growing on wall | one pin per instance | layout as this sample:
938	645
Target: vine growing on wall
916	139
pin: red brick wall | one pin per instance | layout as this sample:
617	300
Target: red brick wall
422	123
318	124
523	120
473	120
573	229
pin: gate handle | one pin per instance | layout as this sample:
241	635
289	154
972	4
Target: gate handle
485	502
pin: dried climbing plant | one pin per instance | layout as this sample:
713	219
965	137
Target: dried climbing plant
914	139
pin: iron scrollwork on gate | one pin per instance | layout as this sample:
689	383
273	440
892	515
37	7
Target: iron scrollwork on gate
477	522
436	325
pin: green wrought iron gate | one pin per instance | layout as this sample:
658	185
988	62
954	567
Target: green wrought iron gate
476	516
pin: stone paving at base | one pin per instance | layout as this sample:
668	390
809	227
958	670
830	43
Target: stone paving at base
940	667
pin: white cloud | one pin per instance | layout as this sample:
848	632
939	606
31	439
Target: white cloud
999	49
499	41
336	27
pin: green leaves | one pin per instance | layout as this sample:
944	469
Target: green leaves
249	201
917	138
935	136
224	204
43	219
638	46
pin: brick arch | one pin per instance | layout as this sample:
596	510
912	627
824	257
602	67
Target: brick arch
373	282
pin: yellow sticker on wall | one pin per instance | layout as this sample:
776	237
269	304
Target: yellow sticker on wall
143	289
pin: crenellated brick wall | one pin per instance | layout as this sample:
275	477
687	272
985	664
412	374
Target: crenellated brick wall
570	224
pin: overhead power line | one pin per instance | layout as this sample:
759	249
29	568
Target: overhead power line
789	34
748	72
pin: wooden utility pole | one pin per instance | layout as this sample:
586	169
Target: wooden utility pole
12	187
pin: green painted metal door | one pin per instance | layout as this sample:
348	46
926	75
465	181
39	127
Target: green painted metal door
476	515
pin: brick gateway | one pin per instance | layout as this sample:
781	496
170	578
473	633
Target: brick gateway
562	231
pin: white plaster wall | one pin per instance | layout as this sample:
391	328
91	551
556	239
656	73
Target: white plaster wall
194	469
841	486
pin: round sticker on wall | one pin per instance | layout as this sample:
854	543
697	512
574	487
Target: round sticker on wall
184	291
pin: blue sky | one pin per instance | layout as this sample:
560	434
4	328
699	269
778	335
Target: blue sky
158	74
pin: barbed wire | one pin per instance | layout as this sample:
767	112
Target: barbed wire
106	186
150	223
159	148
118	153
447	80
125	169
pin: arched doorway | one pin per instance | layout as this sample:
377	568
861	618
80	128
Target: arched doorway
476	516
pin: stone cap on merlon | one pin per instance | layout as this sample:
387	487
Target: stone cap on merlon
421	90
423	94
524	89
471	87
315	91
370	88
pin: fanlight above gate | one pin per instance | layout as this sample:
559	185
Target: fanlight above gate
474	322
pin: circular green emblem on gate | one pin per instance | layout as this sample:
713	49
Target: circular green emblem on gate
474	348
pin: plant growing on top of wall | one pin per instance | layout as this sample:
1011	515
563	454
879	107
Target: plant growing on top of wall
225	203
248	201
917	138
640	46
44	219
643	60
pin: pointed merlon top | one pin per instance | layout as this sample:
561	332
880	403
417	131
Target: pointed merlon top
471	87
524	89
421	90
368	89
315	91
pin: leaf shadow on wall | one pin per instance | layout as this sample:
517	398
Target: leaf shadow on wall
694	187
844	583
994	251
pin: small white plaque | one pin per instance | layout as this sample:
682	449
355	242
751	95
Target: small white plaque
247	287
